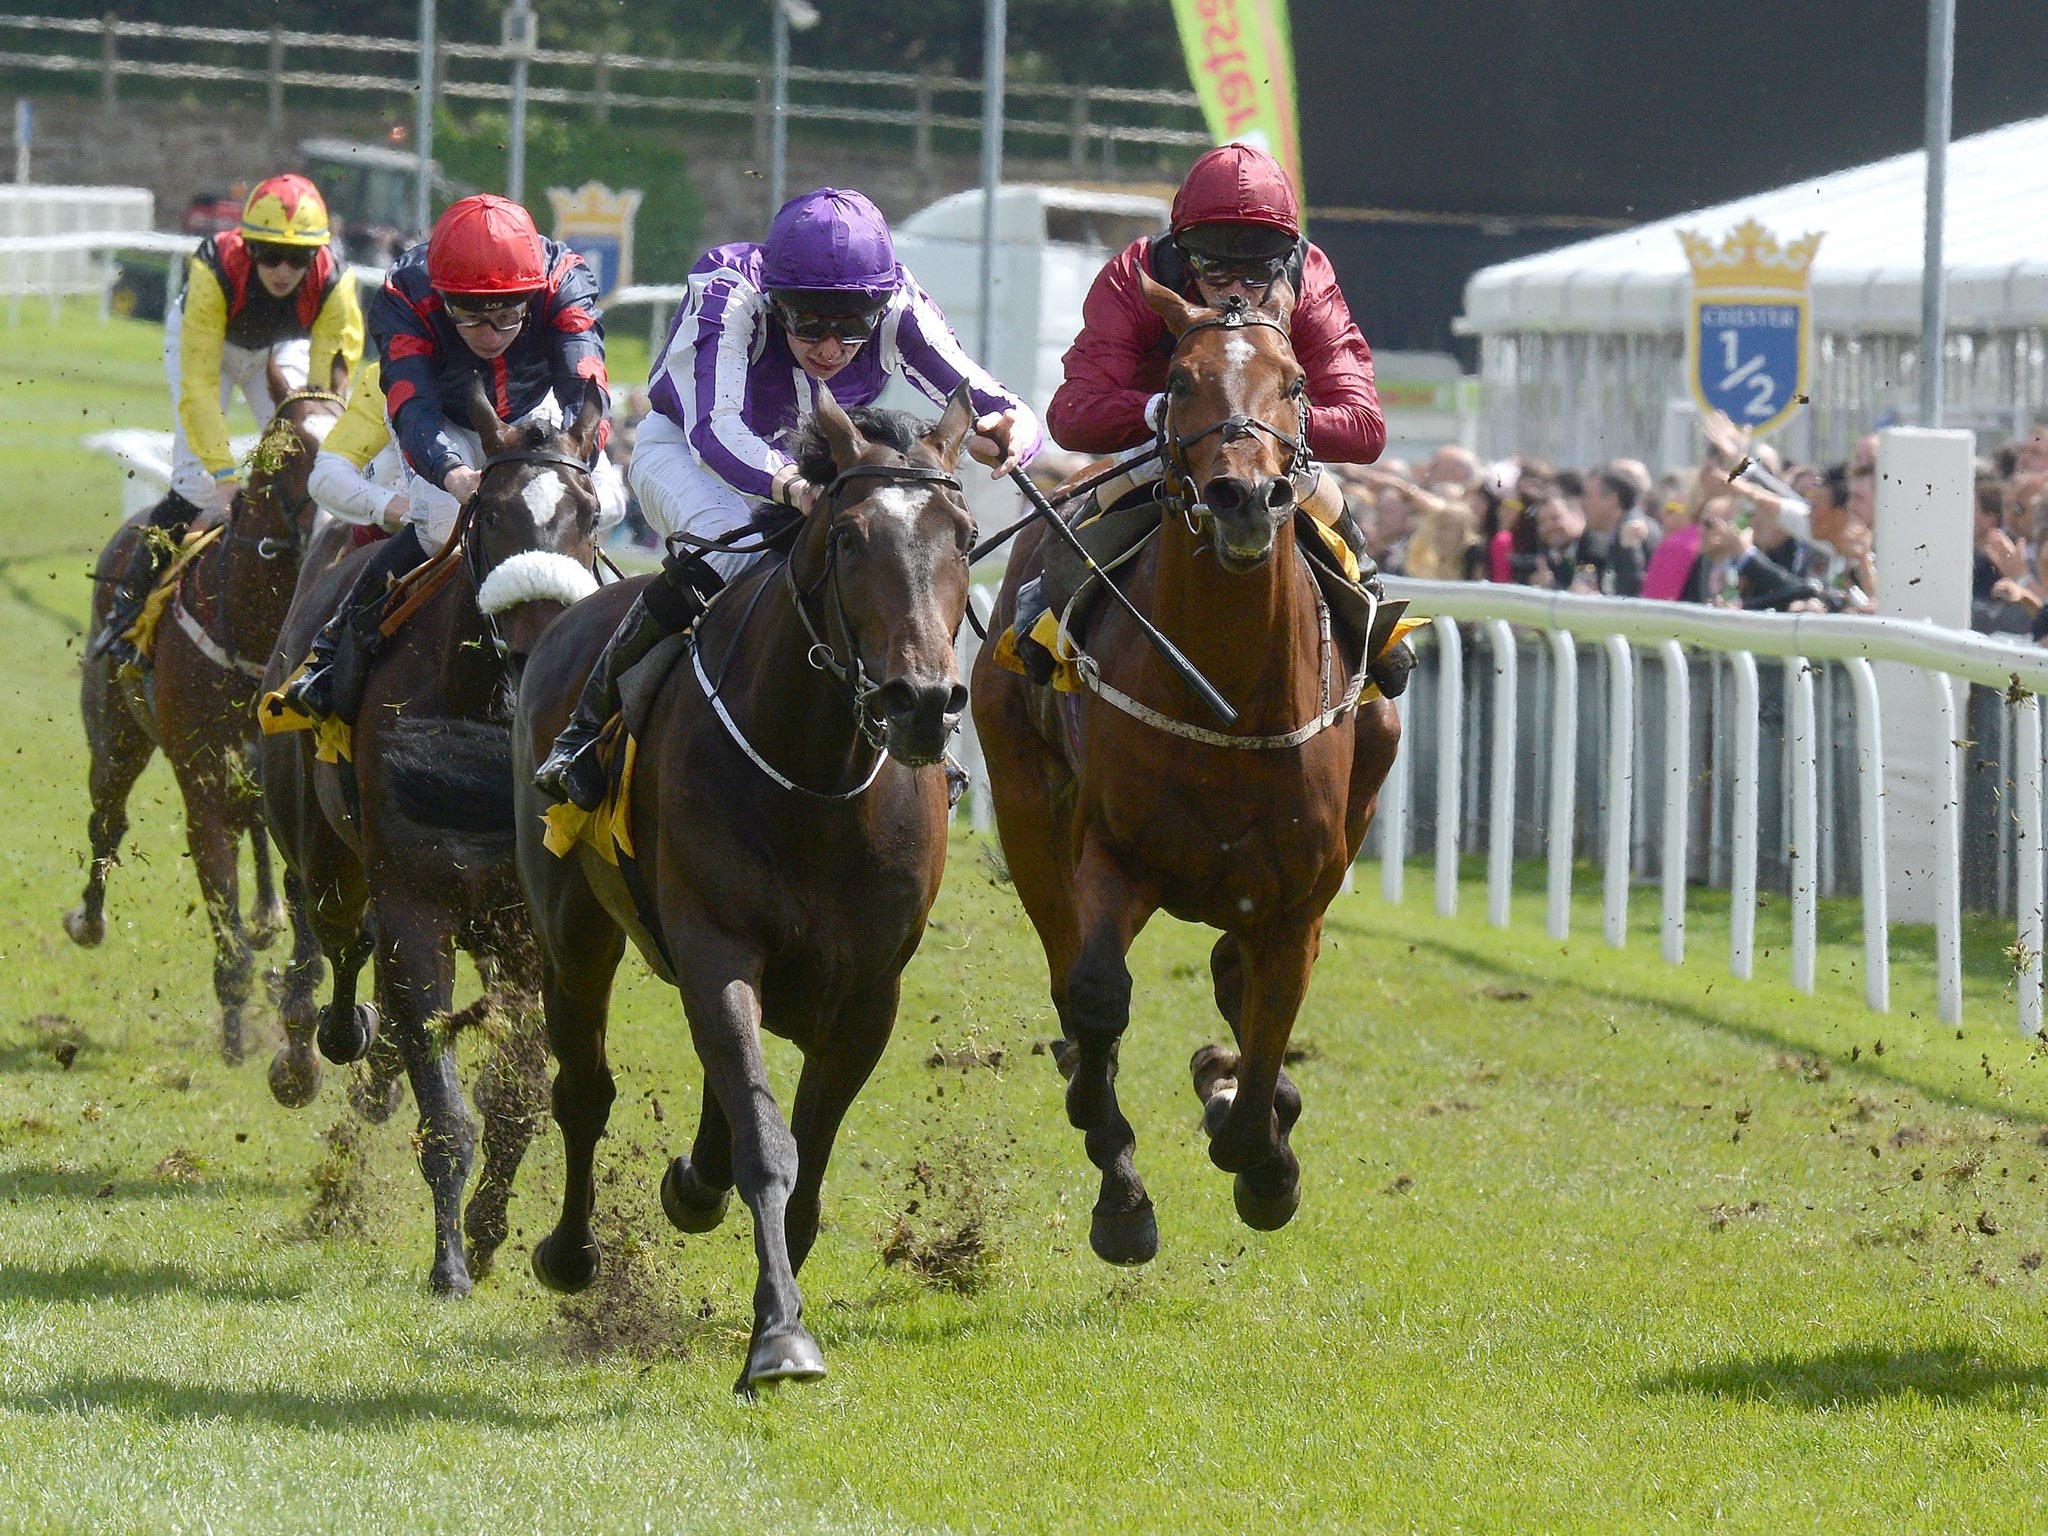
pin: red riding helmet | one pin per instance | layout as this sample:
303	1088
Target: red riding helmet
486	244
1237	184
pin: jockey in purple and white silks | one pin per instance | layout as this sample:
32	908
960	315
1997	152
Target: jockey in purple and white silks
823	301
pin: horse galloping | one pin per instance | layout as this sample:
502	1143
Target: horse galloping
784	841
364	878
1112	805
217	627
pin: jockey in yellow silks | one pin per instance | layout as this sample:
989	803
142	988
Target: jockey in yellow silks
271	288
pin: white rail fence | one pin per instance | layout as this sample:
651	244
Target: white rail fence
1665	631
1091	121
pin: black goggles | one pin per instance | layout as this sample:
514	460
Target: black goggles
266	255
509	316
1252	271
852	329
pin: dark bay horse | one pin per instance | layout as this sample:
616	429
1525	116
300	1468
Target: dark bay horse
1107	816
197	703
364	878
788	822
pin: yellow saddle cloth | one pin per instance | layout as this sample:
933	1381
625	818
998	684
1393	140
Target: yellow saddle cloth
609	828
142	633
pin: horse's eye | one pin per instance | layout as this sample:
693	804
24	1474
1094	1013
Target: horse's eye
1178	383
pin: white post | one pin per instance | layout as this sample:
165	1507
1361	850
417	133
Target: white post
1500	833
24	136
1805	822
520	42
2027	790
1742	818
1621	765
995	26
1677	776
1948	875
1877	954
423	130
778	114
1393	818
1924	550
1941	60
1564	772
1450	756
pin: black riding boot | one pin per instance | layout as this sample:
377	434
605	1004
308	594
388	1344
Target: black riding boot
331	685
667	605
1389	670
166	526
1039	663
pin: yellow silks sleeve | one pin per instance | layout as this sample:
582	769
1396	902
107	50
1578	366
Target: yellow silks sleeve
203	332
337	332
363	431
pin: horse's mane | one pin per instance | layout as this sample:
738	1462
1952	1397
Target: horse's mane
883	428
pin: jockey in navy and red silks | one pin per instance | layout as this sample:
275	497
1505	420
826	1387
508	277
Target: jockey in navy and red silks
486	297
1236	229
823	300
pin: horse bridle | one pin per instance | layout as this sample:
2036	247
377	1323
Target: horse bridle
1236	315
271	546
472	554
822	655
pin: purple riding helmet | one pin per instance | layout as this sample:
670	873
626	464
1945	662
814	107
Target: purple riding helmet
828	255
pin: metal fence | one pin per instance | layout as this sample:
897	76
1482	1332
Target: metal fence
1087	123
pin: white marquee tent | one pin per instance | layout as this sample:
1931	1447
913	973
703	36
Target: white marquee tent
1582	349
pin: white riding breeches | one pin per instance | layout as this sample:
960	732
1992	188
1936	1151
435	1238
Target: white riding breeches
241	368
433	511
679	495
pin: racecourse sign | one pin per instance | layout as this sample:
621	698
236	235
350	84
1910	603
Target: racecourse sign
1750	335
1241	60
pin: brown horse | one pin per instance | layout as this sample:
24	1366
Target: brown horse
788	828
366	879
1114	803
197	702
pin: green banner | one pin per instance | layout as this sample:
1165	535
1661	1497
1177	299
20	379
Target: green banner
1241	59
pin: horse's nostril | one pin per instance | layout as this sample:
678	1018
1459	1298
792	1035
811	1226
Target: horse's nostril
956	699
1278	495
1225	495
896	697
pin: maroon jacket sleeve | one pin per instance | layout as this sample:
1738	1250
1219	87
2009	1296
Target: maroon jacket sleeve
1344	421
1100	408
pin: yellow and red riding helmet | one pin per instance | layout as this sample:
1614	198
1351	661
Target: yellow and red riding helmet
485	246
286	210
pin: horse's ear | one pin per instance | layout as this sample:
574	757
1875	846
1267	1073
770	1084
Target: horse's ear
841	435
274	379
1169	306
945	438
337	376
1279	305
483	416
589	419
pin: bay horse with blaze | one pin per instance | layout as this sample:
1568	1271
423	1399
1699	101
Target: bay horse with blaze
1112	804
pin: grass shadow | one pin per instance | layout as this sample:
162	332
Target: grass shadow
103	1184
338	1411
1859	1374
109	1280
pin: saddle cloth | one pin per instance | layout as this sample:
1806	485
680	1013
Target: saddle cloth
142	633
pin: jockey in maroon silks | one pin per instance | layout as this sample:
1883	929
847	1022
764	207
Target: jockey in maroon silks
1235	235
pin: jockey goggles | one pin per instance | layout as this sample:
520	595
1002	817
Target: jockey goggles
266	254
502	318
1252	271
851	329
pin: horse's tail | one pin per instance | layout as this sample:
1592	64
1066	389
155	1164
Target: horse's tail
453	775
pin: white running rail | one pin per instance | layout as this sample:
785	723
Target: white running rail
1667	628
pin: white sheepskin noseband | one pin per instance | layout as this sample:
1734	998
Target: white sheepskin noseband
537	576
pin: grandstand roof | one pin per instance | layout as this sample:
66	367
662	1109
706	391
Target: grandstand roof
1866	276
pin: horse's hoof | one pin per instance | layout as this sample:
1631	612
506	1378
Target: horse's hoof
792	1356
1212	1064
347	1038
451	1280
294	1076
85	929
376	1100
482	1259
1265	1213
1216	1109
1125	1237
561	1268
689	1203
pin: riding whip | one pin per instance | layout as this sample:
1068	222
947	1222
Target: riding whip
1171	653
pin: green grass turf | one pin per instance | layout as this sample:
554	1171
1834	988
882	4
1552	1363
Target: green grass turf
1588	1242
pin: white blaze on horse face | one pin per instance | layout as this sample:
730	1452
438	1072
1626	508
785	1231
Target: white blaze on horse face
544	493
902	503
1239	351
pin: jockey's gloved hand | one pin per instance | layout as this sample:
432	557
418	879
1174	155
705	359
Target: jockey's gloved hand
791	489
462	483
224	493
994	442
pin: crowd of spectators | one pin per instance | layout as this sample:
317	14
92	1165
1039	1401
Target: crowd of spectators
1741	529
